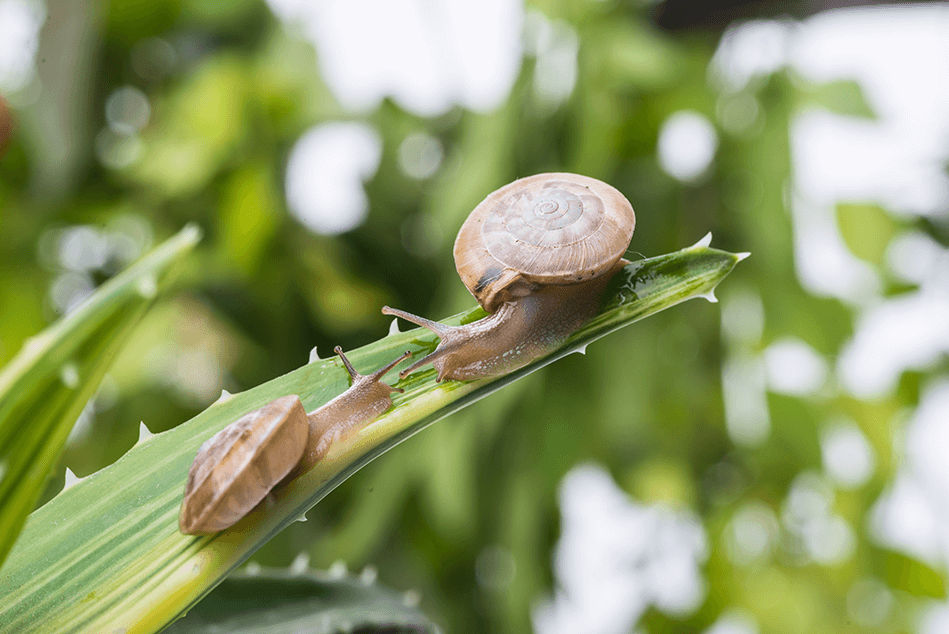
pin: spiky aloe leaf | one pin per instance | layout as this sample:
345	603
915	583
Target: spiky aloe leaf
44	388
285	602
107	555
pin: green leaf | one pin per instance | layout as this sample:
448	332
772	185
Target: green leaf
186	146
44	388
272	602
866	229
106	554
841	97
912	576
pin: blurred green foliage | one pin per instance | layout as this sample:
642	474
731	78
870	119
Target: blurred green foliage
227	105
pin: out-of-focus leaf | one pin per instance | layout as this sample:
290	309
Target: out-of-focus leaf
913	576
335	296
113	556
188	144
250	211
634	55
841	97
277	602
867	230
44	388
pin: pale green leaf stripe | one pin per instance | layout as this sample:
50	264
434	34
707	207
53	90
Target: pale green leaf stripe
44	388
107	554
285	602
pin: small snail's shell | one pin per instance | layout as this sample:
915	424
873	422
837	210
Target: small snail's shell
547	229
239	465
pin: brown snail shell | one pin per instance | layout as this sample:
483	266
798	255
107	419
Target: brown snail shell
239	465
547	229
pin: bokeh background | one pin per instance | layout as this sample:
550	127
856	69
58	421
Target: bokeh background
775	462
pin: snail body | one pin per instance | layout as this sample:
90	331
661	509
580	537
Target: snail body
238	467
537	255
365	400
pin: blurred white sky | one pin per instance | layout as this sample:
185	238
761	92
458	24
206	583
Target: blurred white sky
616	558
427	56
20	21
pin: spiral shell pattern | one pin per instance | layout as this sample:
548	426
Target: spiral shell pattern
553	228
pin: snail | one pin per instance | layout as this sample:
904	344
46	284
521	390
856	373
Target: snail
236	468
537	254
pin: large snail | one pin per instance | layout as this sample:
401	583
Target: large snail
537	255
237	467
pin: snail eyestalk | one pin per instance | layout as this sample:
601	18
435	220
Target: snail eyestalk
365	400
446	345
381	372
349	366
439	329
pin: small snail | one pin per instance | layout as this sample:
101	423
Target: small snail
537	255
236	468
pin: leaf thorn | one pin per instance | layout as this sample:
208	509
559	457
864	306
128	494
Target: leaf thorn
71	479
300	564
703	242
411	598
368	575
710	296
143	432
338	570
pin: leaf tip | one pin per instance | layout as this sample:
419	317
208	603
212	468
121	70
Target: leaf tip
742	256
192	233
